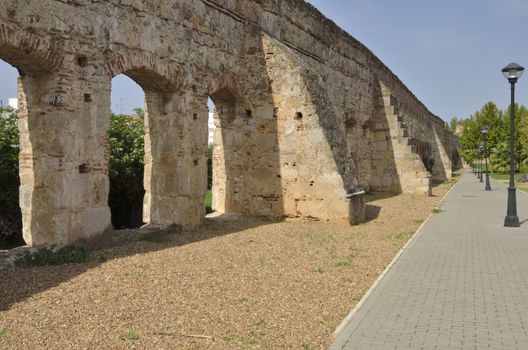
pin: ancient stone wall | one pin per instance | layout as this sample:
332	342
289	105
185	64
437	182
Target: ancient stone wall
307	116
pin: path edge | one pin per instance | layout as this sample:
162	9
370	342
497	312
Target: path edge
358	306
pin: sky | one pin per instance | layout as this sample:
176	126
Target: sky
449	53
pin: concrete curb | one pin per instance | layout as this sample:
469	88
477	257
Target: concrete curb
358	306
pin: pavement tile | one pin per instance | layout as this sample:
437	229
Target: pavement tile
461	283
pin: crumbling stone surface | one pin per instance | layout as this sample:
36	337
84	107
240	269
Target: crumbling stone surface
307	116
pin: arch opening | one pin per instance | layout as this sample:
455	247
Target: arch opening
127	152
210	144
10	213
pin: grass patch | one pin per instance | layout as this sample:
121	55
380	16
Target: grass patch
357	297
437	211
404	235
137	271
261	323
229	338
130	336
3	331
505	178
248	341
101	258
419	222
318	270
45	257
347	260
209	202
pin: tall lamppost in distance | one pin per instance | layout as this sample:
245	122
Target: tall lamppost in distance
484	130
481	153
512	72
477	152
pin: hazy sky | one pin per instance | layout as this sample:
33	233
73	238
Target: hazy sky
449	52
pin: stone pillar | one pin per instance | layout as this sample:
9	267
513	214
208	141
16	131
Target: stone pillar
175	159
316	171
219	167
63	173
230	153
442	168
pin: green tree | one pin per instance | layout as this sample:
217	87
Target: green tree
500	157
497	137
139	112
521	135
453	124
126	162
10	216
471	137
9	150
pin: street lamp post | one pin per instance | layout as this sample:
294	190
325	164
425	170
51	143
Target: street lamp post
477	164
512	72
481	148
484	130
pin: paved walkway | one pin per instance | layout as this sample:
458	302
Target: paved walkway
461	283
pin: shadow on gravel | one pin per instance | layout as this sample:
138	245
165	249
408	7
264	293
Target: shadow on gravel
18	284
372	212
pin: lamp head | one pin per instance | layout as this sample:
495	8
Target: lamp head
512	72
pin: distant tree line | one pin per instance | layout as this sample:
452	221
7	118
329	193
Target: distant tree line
498	137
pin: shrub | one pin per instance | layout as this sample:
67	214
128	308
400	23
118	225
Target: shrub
126	135
47	256
10	215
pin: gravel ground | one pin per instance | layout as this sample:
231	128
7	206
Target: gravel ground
242	284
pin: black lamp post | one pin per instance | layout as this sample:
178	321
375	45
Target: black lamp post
484	130
475	164
512	72
478	164
481	149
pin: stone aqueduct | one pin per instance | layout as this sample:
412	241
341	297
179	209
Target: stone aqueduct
308	116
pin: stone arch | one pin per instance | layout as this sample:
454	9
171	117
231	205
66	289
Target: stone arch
28	52
149	71
169	143
225	82
41	152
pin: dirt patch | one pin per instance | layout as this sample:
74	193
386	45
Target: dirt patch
247	283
